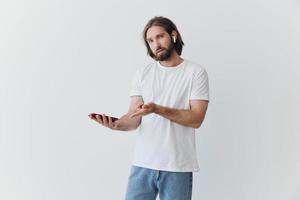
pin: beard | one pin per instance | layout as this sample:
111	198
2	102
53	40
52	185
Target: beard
165	54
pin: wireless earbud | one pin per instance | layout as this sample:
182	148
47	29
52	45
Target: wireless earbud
174	39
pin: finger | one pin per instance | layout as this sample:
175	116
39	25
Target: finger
110	123
132	115
136	113
91	116
95	117
149	108
98	119
105	122
140	105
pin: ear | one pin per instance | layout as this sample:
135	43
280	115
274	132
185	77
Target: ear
174	36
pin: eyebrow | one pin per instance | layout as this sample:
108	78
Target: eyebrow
156	36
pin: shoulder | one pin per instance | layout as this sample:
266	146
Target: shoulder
142	71
195	67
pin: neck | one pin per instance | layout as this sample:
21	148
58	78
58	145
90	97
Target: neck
174	60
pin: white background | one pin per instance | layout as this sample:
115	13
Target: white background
61	60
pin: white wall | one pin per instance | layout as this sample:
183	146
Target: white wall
61	60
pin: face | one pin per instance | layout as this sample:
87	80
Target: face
160	43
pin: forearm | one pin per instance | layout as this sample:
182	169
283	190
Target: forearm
180	116
125	123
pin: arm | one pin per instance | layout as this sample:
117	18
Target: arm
125	123
192	118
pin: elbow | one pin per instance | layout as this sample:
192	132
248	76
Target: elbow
136	125
132	128
197	124
138	122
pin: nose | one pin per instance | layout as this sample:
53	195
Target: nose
156	45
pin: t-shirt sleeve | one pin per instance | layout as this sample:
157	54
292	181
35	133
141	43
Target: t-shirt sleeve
200	86
135	86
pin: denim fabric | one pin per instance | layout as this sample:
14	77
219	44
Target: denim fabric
146	184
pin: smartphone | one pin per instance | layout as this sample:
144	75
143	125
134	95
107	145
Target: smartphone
93	115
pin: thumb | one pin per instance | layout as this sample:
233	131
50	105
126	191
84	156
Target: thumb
140	105
145	106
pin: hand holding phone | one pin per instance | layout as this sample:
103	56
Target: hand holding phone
93	116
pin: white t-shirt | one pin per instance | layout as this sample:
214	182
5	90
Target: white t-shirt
162	144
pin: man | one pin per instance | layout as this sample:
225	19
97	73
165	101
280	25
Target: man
169	99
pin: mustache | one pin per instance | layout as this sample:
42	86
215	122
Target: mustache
159	49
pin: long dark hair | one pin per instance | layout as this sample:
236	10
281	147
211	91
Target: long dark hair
169	26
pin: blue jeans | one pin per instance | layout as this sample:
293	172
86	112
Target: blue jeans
145	184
